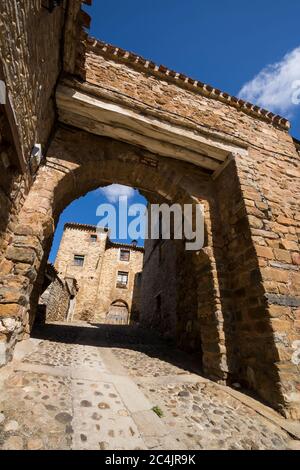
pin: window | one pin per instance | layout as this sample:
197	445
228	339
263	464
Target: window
124	254
122	279
93	238
78	260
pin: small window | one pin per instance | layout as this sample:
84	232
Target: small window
122	279
124	254
93	238
78	260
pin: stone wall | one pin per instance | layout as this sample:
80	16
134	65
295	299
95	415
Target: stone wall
190	308
30	51
97	276
131	81
267	261
58	298
77	241
259	207
30	63
246	278
205	318
13	184
109	291
13	188
54	302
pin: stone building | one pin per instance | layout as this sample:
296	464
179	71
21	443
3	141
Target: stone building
161	302
161	294
83	113
108	274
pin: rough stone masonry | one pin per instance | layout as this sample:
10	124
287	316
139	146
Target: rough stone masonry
122	118
88	255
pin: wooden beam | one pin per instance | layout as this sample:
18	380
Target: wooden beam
127	135
101	117
222	167
78	102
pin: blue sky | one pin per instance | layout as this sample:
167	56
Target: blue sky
250	49
83	211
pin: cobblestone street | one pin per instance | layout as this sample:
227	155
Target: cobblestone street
109	387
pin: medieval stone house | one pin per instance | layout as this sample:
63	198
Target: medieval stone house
108	274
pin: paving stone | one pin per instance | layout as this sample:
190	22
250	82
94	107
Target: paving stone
46	406
63	417
11	426
294	445
13	443
34	444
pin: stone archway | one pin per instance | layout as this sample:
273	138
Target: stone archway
207	299
67	175
239	296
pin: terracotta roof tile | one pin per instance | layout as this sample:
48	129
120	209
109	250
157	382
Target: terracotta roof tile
94	228
87	227
125	245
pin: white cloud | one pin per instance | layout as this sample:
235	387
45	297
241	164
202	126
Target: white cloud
114	191
274	88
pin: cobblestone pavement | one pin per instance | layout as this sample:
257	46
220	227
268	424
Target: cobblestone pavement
95	387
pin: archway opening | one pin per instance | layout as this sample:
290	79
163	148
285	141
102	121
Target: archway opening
93	250
107	276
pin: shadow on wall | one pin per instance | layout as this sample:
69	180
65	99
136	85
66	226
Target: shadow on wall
249	339
12	182
189	277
